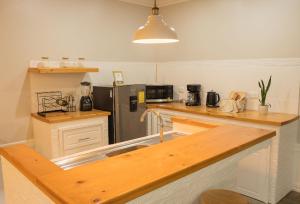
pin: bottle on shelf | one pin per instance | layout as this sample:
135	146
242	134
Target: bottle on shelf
65	62
80	62
44	63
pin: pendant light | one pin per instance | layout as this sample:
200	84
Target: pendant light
155	31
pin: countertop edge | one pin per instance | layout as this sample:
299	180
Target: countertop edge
231	117
71	117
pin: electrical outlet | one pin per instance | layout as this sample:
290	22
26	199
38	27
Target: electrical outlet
181	89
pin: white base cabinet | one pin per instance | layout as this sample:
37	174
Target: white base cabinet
153	123
253	175
65	138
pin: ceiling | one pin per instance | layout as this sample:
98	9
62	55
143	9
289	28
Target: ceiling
149	3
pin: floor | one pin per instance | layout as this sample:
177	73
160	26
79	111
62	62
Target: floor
291	198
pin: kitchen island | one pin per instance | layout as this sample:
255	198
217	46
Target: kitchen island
159	173
254	172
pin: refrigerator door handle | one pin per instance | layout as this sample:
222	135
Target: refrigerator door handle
117	115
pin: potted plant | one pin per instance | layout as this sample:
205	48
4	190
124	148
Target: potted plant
264	107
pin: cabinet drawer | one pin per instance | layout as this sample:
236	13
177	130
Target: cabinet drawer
79	136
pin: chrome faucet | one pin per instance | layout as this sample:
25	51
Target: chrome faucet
161	130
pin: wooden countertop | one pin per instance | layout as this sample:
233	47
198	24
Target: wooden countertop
30	163
125	177
275	119
69	116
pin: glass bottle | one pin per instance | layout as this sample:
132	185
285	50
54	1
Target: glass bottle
80	62
64	63
44	63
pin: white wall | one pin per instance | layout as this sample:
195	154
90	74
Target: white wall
225	76
233	29
95	29
133	72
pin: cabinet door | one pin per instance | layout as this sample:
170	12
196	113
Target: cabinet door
155	123
80	137
253	175
168	124
149	124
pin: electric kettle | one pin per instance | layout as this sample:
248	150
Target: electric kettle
212	99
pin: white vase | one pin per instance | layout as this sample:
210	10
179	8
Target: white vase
263	110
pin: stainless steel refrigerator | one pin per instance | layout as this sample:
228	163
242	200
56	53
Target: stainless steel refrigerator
126	104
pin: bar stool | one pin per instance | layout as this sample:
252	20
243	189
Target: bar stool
222	197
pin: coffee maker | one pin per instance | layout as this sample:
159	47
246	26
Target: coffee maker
193	97
86	103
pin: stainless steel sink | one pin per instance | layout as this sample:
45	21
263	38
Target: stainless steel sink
112	150
125	150
167	137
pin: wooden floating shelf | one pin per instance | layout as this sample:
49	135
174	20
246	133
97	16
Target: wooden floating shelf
69	70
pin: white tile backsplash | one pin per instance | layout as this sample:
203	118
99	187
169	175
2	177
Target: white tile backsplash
224	76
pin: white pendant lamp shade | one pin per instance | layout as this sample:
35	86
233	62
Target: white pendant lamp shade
155	31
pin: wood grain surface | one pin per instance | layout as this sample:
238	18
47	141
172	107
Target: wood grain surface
275	119
122	178
70	116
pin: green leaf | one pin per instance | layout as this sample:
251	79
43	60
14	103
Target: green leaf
263	85
264	90
262	97
269	84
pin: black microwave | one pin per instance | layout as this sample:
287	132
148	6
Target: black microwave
159	93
